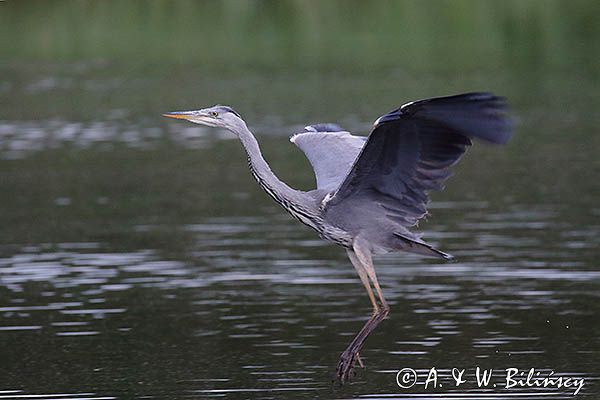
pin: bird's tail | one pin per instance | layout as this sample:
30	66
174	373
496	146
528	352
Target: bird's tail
419	247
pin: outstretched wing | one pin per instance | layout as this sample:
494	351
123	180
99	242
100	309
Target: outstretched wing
411	149
331	152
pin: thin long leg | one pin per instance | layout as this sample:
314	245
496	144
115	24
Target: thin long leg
362	273
364	255
350	356
365	280
361	259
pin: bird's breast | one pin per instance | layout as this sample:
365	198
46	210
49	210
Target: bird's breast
335	235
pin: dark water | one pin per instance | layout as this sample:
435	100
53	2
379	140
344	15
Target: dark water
138	259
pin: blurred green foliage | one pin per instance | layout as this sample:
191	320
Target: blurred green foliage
342	35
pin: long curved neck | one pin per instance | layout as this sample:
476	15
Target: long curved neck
278	190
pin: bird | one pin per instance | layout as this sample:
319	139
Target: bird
371	191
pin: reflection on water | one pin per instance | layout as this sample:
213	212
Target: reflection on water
243	318
19	138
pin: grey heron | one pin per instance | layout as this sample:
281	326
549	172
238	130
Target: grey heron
372	190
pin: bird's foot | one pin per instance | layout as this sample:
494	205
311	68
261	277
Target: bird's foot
360	361
351	356
345	368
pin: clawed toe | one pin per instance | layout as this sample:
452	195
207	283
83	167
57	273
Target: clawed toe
351	356
359	360
345	368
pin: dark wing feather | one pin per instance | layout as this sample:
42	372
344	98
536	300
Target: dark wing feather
411	149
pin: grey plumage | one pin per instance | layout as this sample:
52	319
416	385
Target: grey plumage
331	152
409	153
371	190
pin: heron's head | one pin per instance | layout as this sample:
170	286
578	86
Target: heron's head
216	116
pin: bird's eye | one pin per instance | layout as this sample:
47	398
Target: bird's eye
214	114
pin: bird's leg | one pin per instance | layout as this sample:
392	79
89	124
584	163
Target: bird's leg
365	280
364	257
362	273
350	356
360	257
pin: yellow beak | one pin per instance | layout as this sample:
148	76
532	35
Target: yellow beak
178	114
